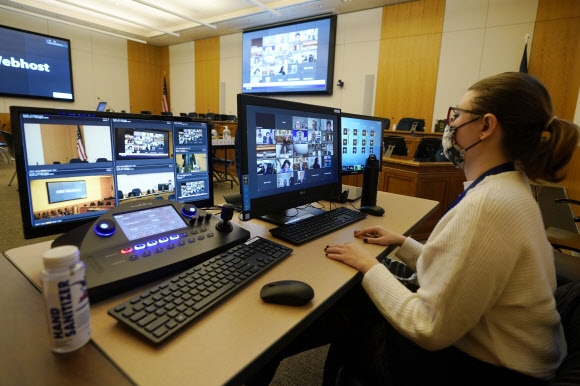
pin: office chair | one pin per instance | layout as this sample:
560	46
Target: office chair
210	116
145	112
411	124
102	160
74	161
565	240
136	192
183	114
120	194
192	115
166	113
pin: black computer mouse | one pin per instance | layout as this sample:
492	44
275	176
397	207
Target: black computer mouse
373	210
287	292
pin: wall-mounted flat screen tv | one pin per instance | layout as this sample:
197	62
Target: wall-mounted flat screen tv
61	191
291	58
33	65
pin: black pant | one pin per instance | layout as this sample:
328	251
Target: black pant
363	342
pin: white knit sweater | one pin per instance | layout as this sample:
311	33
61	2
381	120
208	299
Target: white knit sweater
486	279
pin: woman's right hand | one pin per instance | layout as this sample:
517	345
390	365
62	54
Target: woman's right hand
379	235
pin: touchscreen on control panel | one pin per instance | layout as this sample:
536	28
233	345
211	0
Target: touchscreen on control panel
148	222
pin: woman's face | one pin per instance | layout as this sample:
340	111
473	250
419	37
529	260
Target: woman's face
466	135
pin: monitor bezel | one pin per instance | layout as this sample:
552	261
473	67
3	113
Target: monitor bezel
30	230
256	207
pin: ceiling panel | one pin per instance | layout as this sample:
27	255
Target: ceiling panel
169	22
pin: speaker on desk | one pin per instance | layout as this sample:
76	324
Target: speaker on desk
368	200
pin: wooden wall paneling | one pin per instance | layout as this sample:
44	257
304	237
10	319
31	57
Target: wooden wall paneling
413	18
557	9
207	75
147	66
409	60
555	60
60	141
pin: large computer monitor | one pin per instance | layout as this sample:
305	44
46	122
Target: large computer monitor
361	135
74	165
287	155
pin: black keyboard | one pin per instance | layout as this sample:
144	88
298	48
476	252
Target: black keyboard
313	227
167	308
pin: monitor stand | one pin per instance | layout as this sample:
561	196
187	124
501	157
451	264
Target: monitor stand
292	215
354	192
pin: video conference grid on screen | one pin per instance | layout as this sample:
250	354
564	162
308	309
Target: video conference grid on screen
295	58
360	137
102	168
292	150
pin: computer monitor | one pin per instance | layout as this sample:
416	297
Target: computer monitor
361	135
427	150
287	156
74	165
394	145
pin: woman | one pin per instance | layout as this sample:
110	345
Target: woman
486	274
285	166
484	309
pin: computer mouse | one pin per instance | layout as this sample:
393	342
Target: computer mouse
373	210
287	292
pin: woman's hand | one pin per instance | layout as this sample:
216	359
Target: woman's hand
352	254
381	236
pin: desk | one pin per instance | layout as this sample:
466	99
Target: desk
224	347
222	172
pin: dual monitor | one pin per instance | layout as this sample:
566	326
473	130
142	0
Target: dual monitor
73	165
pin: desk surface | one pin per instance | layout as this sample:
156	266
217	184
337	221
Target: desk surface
223	347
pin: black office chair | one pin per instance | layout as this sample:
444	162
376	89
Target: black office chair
192	115
210	116
232	118
166	113
136	192
74	161
411	124
183	114
145	112
102	160
120	194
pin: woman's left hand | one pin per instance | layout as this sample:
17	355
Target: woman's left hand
354	255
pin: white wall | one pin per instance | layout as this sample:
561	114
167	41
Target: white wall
182	69
480	38
99	62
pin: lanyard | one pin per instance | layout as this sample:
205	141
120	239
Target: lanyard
507	167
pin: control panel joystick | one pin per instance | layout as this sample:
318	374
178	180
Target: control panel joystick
226	215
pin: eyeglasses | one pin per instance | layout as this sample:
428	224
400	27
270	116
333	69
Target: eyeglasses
452	114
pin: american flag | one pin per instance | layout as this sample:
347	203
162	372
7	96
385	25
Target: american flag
164	104
80	147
